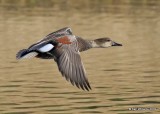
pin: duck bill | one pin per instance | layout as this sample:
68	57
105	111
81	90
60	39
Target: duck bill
116	44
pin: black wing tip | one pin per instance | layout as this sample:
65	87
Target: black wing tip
83	86
88	87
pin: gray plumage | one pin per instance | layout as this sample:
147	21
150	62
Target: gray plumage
65	48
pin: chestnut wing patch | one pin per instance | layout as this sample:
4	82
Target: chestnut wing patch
64	40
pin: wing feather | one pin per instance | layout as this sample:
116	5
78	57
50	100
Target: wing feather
71	67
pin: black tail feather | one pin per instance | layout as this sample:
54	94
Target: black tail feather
21	53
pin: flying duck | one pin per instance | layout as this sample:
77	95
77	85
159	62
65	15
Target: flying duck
65	48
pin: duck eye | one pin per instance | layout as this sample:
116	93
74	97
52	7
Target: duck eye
46	48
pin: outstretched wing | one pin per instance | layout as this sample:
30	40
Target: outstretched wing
58	33
71	66
52	37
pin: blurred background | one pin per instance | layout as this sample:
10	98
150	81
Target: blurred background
121	77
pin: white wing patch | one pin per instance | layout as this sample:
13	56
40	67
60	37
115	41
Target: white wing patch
46	48
29	55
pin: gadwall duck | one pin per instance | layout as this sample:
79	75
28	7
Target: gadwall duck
65	48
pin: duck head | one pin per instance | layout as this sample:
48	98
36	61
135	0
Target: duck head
104	43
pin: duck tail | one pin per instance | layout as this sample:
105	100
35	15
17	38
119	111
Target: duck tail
24	53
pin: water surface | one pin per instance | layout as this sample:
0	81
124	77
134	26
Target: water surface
121	77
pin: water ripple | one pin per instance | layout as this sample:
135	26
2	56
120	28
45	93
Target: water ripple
120	77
